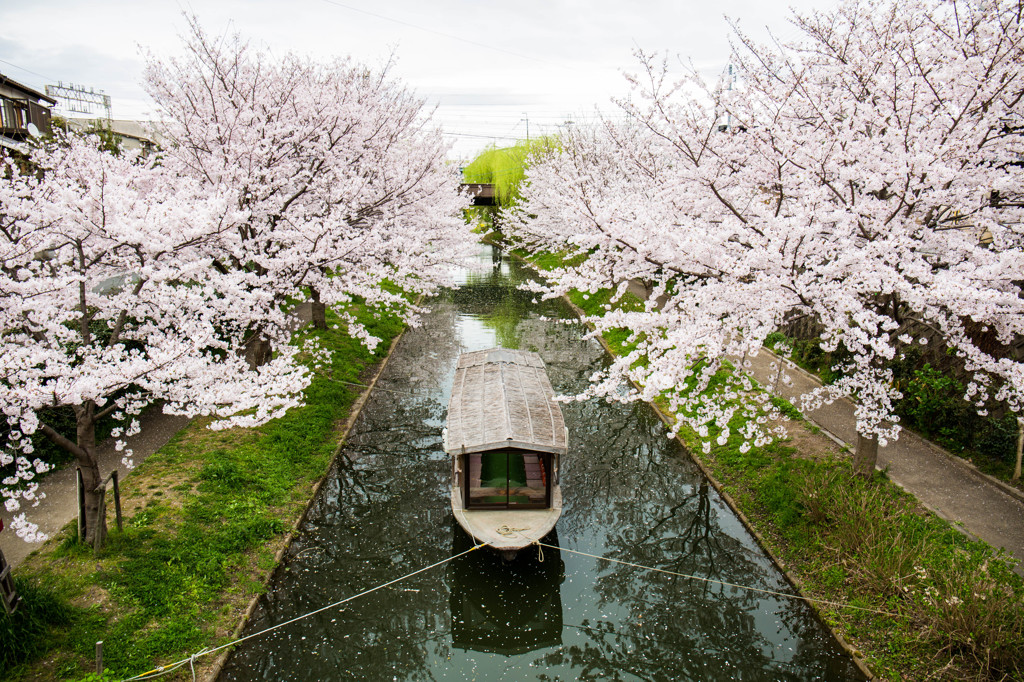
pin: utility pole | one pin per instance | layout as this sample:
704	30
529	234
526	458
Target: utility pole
732	80
527	119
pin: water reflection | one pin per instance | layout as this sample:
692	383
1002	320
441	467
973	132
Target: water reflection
505	607
490	310
628	493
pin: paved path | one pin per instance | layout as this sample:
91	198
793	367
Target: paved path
985	508
61	502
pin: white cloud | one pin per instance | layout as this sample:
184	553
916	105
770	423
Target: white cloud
486	65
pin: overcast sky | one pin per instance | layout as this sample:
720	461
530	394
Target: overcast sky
487	66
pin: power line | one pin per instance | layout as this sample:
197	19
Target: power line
483	137
34	73
446	35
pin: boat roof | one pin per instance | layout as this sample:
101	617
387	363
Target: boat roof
502	398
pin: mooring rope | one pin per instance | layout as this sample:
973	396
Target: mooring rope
170	667
789	595
425	391
157	672
507	531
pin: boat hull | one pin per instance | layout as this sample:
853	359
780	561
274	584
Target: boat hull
507	530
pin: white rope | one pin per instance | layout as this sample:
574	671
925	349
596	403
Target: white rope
721	582
467	526
192	662
508	531
425	391
162	670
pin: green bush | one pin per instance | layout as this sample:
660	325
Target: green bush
933	405
998	439
26	633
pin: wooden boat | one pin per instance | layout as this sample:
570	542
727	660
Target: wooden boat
506	437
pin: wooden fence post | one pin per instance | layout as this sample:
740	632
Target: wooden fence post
101	517
82	521
117	500
101	510
8	595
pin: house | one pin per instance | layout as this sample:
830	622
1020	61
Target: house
131	135
24	113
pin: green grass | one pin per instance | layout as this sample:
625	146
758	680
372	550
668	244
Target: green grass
547	260
789	409
42	612
958	605
621	340
166	578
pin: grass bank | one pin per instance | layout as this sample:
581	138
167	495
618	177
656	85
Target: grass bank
931	604
204	519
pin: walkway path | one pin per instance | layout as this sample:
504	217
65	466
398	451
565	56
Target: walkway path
61	502
945	484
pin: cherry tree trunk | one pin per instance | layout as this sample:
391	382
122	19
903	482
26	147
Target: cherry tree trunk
85	457
865	456
318	310
258	351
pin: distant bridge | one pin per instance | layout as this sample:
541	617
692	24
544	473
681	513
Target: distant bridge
483	193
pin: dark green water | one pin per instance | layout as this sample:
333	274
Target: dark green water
629	493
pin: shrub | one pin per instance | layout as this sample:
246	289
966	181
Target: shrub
26	633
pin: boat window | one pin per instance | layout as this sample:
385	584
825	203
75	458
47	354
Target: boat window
507	479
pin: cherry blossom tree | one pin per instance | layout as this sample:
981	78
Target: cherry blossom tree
111	303
128	281
858	175
341	177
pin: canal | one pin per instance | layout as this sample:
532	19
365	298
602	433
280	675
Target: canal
629	493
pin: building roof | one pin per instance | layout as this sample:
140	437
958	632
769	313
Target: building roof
502	398
11	143
11	83
142	131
